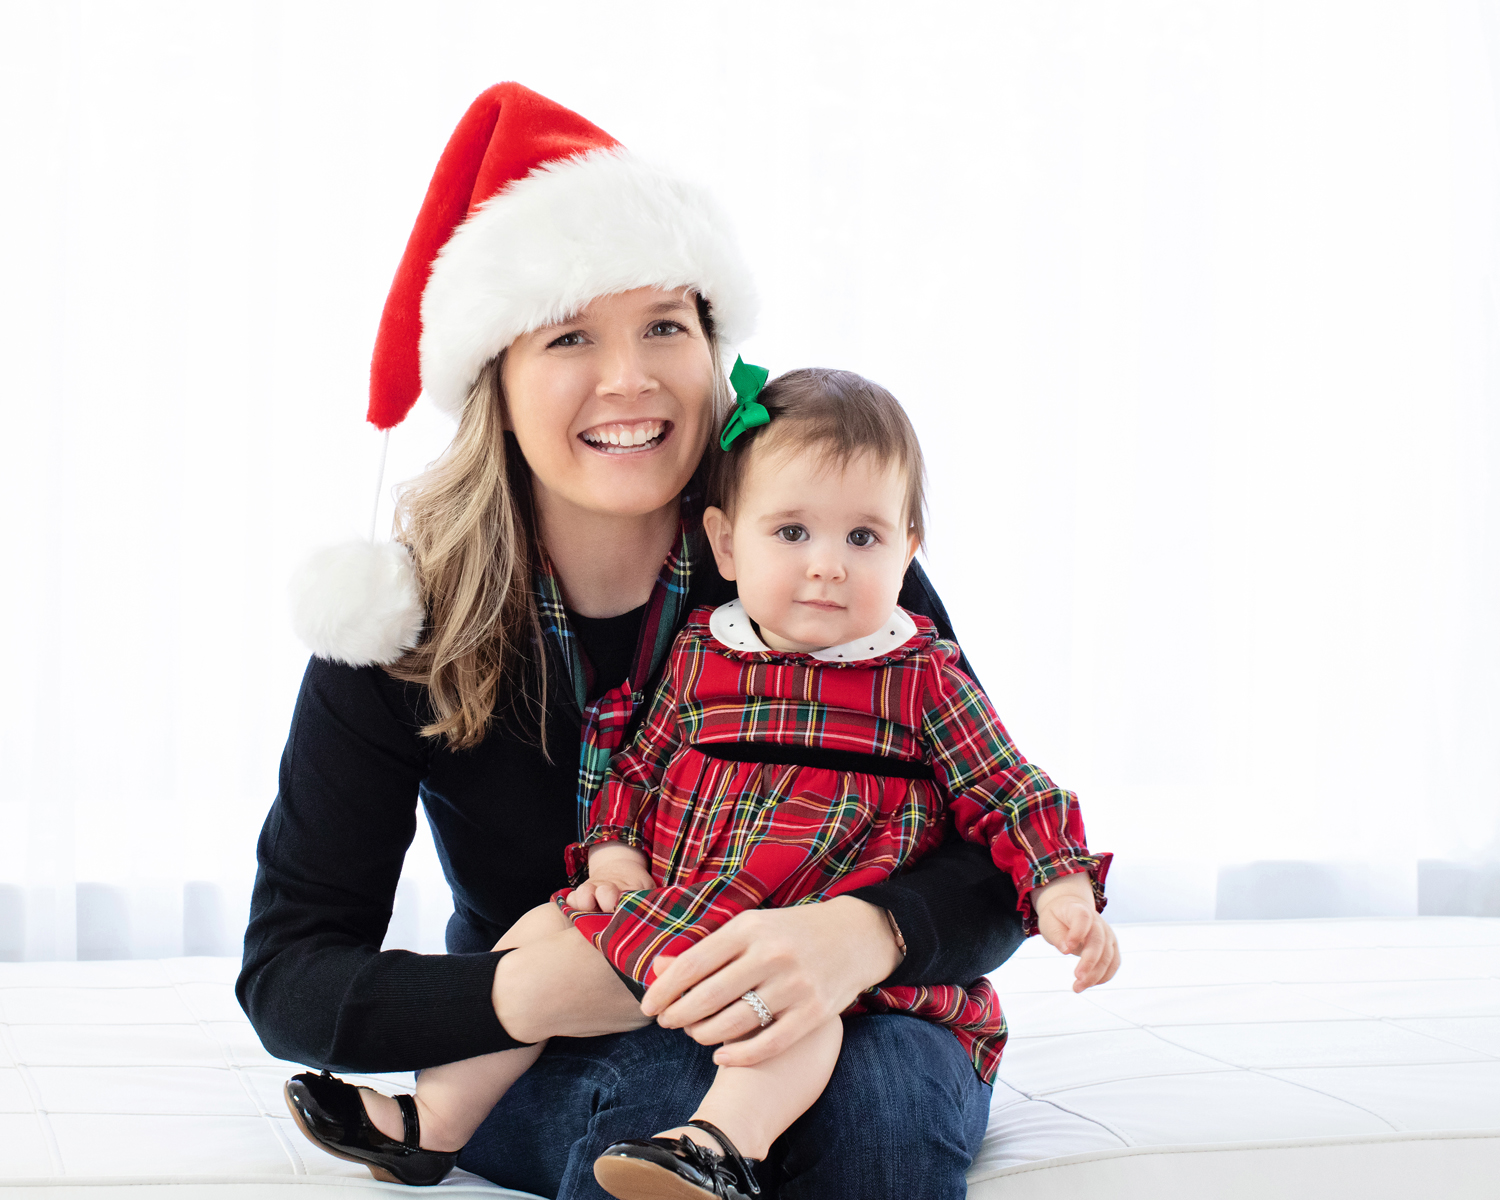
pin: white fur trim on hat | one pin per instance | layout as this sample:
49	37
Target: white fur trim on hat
541	249
357	603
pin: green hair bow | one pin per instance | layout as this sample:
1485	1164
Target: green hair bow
747	381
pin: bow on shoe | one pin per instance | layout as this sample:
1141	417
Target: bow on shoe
637	1169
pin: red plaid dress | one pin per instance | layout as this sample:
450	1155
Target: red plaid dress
726	836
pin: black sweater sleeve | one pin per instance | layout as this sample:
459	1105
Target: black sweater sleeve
314	982
956	910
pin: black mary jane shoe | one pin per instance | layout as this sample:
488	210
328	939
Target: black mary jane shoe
332	1115
676	1169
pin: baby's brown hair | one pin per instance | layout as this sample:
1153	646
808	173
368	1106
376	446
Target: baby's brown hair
844	415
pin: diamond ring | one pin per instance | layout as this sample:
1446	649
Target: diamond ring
760	1008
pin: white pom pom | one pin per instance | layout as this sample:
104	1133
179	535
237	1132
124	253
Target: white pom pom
357	603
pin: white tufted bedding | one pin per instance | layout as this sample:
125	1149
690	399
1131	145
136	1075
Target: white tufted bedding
1318	1058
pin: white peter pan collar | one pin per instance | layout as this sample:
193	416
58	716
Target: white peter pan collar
733	629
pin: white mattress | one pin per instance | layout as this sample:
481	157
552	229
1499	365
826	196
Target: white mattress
1294	1058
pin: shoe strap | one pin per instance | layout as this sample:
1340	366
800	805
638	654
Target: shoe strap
730	1152
411	1126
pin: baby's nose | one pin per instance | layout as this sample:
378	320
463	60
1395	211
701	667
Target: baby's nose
830	567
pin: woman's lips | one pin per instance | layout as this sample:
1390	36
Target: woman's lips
626	437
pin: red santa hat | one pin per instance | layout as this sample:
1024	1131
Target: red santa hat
531	213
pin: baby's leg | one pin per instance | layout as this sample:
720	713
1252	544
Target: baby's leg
454	1098
755	1105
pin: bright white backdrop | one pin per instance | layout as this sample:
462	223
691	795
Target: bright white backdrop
1194	304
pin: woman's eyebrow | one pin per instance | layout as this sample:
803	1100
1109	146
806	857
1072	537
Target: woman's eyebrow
668	306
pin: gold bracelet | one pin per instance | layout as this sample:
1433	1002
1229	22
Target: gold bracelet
895	931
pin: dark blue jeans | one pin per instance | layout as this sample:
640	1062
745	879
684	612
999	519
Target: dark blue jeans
904	1105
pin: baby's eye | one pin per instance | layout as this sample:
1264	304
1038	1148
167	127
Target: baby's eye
666	328
792	533
568	339
862	537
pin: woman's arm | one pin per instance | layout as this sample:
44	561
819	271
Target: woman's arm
314	982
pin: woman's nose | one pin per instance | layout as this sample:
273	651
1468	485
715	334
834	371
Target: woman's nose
623	374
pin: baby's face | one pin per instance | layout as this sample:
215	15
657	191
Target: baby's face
818	552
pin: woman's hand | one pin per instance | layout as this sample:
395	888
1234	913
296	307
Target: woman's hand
806	963
1065	917
614	868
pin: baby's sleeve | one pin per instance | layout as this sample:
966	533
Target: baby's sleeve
623	805
1032	827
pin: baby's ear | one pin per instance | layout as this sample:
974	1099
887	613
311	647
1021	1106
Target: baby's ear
720	530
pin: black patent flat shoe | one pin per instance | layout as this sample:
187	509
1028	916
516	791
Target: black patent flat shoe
331	1114
676	1169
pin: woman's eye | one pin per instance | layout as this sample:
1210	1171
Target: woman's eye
792	533
862	537
568	339
665	329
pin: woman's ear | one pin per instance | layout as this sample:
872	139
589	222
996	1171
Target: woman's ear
720	530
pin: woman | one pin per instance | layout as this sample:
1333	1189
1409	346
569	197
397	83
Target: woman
574	322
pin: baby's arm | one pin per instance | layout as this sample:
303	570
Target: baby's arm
1032	826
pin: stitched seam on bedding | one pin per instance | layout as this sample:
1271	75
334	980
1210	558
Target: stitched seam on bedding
1262	1072
1039	1099
49	1136
1435	1037
295	1159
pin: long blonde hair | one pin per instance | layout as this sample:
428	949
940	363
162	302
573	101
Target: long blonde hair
469	522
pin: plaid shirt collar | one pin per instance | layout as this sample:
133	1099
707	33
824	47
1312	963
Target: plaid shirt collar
734	634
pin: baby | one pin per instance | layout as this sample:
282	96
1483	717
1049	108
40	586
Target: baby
808	739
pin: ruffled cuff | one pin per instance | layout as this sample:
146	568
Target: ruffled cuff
576	856
1055	867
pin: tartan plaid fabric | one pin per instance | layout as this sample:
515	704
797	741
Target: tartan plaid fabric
607	717
725	836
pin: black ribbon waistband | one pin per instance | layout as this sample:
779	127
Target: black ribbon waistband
816	756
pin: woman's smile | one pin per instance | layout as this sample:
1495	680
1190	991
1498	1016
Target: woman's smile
634	437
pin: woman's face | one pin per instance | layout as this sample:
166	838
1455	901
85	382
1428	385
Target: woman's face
612	409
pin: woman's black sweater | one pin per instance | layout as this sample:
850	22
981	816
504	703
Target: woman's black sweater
315	983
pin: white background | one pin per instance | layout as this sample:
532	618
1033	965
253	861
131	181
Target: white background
1194	305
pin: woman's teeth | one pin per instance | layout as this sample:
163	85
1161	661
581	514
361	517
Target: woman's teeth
616	437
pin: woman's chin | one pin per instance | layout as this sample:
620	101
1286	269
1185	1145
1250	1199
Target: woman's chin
625	501
636	488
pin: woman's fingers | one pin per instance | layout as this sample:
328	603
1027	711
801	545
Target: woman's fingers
690	968
710	996
772	1040
737	1019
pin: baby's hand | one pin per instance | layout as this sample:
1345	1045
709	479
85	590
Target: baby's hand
614	867
1065	916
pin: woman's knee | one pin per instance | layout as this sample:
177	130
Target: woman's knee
904	1103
